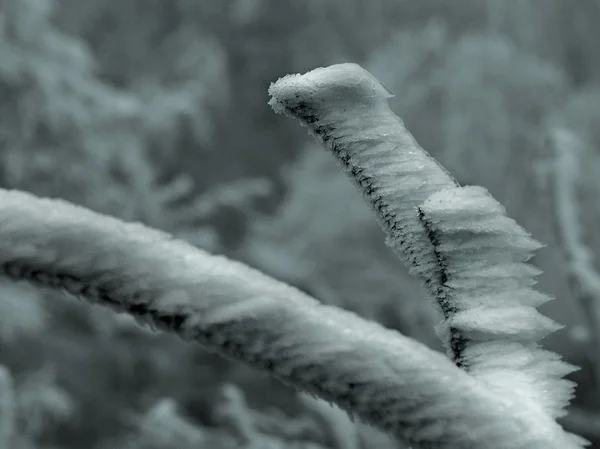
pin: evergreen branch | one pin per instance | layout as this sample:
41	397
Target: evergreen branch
391	381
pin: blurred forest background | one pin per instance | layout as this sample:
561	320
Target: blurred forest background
156	111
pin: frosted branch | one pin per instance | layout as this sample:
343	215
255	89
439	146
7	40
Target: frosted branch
390	381
472	258
346	108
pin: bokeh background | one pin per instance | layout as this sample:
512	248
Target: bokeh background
156	111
